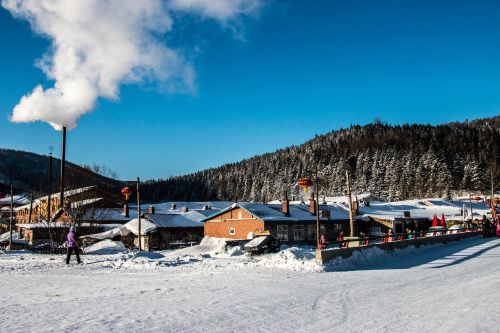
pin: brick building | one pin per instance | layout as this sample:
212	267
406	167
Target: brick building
292	223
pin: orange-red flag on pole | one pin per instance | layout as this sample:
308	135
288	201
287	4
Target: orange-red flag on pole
435	221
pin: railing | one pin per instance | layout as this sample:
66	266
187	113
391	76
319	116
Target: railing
365	241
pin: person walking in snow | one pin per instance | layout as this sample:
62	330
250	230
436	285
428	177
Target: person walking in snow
72	246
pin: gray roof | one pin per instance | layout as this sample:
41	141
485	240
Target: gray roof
299	212
187	220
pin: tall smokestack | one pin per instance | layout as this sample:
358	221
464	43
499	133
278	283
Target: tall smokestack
63	166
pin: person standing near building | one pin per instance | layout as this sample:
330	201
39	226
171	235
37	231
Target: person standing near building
72	246
322	242
340	238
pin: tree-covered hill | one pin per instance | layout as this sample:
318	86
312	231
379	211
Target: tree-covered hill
392	162
28	173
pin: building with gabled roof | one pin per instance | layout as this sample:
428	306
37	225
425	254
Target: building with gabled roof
159	231
290	222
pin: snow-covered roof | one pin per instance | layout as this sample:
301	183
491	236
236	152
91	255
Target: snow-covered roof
110	214
423	208
130	227
204	207
146	226
17	199
187	220
41	225
67	194
298	211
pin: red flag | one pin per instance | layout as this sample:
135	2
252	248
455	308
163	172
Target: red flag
435	221
443	223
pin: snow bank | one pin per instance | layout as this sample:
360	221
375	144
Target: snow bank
208	247
293	259
371	256
106	247
16	237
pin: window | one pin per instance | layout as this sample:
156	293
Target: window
322	229
240	215
298	233
282	232
311	232
232	231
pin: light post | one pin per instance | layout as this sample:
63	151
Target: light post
11	217
305	183
49	185
127	192
139	213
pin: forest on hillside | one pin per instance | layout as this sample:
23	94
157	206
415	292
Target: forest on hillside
28	173
392	162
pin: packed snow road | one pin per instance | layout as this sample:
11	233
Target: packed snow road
446	288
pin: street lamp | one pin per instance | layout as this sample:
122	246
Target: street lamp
49	185
305	183
126	191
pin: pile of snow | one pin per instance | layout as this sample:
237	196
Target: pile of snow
208	247
16	237
293	259
372	256
106	247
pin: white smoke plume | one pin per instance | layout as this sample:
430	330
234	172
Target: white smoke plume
99	44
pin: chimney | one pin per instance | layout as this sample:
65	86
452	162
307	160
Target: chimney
236	198
185	209
151	209
206	207
126	210
174	206
355	207
312	204
285	204
63	168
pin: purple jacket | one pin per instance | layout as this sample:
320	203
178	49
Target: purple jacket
69	238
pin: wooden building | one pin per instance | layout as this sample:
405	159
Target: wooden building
54	233
159	231
78	202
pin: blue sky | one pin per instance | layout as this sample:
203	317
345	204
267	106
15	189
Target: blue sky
298	70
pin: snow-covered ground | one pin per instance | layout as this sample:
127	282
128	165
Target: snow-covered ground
443	288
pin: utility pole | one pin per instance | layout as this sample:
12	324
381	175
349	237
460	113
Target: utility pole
63	165
471	214
31	208
50	187
11	218
317	209
349	196
492	175
139	214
